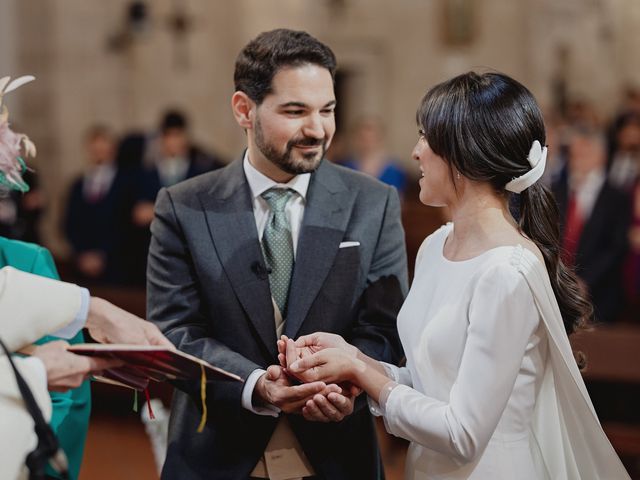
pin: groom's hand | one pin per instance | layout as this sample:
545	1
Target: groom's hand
275	388
333	407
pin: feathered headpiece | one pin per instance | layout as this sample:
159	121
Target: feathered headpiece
13	146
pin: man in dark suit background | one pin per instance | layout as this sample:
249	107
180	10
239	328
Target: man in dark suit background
595	222
97	212
278	242
168	158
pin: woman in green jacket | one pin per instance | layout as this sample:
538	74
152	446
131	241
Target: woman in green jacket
71	409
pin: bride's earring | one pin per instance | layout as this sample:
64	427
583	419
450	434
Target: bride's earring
458	175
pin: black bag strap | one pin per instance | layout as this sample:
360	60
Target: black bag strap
48	450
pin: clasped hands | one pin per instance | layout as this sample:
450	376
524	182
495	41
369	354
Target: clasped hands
322	362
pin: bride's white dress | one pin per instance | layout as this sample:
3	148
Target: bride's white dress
491	389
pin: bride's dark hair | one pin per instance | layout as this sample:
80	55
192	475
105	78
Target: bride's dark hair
483	126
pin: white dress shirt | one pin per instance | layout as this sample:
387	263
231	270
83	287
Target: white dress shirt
98	180
587	191
172	170
259	183
624	170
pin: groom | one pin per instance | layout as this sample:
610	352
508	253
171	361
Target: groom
279	242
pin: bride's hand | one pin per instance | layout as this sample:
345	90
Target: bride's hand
331	365
309	344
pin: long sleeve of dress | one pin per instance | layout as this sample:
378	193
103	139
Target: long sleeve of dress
33	306
501	318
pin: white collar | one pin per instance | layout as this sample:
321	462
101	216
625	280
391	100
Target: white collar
592	182
260	183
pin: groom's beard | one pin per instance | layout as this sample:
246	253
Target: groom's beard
290	160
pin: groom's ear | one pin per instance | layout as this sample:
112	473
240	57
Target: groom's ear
243	109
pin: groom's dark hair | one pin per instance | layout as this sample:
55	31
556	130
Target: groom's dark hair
265	55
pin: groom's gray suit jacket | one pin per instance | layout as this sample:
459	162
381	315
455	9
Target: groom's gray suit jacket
208	291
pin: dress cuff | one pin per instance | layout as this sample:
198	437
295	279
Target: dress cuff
247	396
38	368
402	375
379	408
78	323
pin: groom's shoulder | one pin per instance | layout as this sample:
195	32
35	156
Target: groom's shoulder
355	181
203	183
371	197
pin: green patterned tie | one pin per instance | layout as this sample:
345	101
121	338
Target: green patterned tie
277	246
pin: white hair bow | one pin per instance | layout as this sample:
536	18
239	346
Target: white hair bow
538	160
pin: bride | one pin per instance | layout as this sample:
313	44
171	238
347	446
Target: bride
491	389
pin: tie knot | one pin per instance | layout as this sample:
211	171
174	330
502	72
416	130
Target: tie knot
277	198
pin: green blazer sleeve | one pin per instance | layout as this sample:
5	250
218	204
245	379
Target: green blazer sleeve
71	409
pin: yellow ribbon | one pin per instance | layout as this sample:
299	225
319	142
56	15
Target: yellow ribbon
203	398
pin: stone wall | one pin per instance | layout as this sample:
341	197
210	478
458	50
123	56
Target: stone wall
390	52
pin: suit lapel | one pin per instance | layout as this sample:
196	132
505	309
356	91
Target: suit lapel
229	214
327	211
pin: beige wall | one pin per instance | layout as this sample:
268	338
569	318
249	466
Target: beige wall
393	51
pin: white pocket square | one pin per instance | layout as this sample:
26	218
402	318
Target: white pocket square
349	244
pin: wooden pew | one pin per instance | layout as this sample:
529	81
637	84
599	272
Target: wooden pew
613	357
419	221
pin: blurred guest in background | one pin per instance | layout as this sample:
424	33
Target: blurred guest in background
20	212
581	113
169	158
625	151
594	221
632	263
369	154
631	102
556	127
97	211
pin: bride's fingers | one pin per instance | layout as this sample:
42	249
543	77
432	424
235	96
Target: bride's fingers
306	363
354	390
306	340
291	352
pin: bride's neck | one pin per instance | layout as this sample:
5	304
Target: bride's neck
478	215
